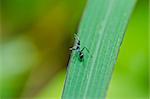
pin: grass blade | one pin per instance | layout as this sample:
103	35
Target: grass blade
101	30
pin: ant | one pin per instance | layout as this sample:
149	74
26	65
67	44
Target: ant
78	49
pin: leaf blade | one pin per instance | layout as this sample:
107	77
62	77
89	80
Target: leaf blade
101	30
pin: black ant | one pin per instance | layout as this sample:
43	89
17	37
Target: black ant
78	49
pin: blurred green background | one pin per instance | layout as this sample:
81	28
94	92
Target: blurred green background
35	38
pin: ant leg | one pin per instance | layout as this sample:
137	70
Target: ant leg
86	50
73	56
72	48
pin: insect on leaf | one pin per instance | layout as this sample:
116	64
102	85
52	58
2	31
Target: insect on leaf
101	30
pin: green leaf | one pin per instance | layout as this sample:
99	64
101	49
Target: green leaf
101	31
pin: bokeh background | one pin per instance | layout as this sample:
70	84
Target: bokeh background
35	36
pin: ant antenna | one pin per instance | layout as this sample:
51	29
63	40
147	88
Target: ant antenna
76	37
